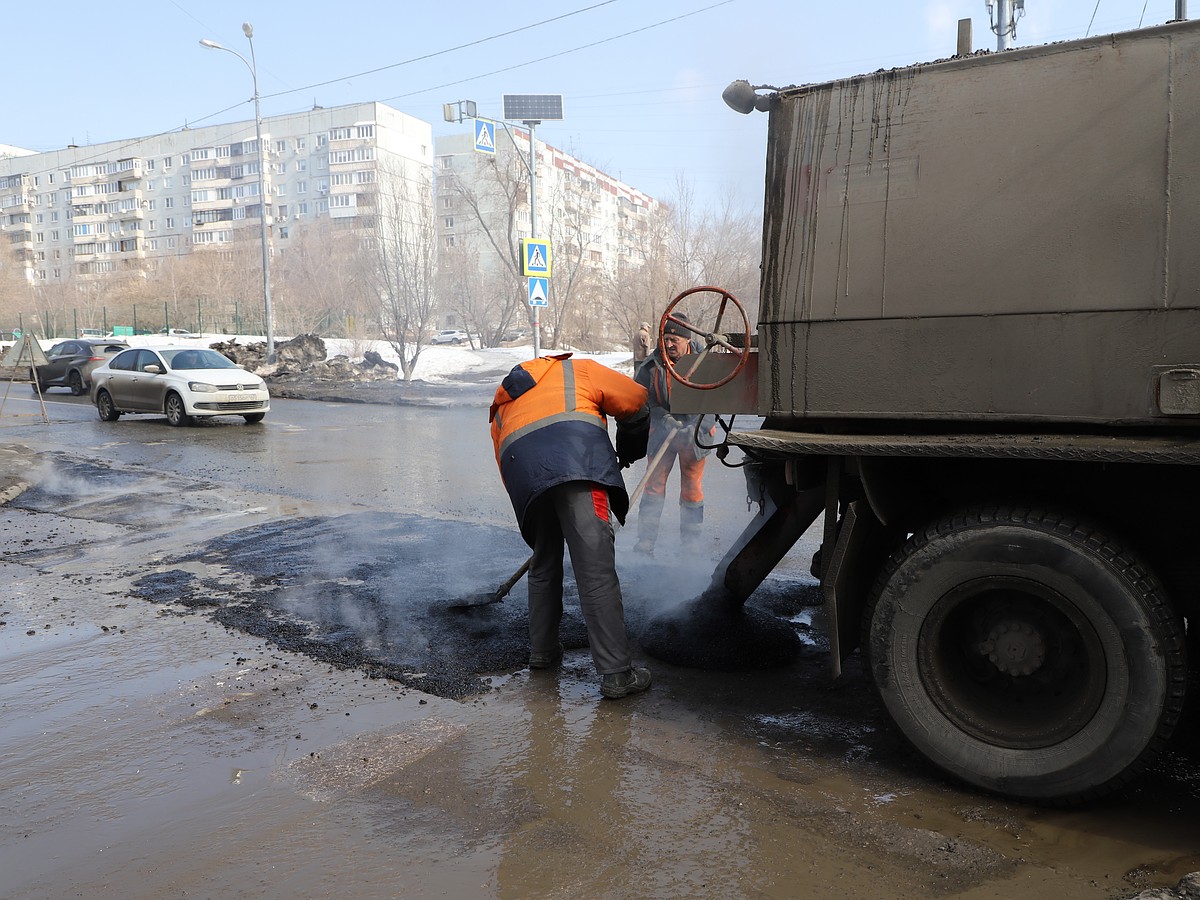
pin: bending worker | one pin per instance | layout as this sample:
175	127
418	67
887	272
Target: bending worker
563	476
679	432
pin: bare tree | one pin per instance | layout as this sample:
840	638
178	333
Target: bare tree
320	281
494	204
403	258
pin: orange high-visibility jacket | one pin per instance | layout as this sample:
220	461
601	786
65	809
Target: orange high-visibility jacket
549	426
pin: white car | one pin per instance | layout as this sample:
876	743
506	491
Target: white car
450	336
179	383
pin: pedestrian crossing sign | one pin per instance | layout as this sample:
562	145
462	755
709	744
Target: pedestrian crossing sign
535	258
485	136
539	289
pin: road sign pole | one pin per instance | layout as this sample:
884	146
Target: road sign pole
537	310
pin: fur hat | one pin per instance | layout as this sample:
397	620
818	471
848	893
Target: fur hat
677	329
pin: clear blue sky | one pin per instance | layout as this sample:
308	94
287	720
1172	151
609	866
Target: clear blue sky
641	79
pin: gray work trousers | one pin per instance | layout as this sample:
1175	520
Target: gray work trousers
571	512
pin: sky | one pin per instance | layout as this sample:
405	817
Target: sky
641	81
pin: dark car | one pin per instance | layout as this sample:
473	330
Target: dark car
69	364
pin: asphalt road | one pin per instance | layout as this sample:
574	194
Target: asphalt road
227	669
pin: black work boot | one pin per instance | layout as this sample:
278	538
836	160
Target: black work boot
622	684
539	660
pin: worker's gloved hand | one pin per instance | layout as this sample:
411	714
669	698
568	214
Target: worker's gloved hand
631	443
674	422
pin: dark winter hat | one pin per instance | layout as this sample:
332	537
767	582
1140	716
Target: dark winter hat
676	328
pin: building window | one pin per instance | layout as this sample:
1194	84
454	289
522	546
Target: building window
449	221
169	203
449	240
301	187
301	143
170	222
281	146
366	131
302	165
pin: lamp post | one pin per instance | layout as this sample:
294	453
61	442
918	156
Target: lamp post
251	64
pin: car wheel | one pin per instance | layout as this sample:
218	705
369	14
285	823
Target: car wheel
1028	654
106	409
37	387
254	418
75	383
175	410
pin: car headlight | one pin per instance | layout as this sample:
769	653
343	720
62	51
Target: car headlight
199	387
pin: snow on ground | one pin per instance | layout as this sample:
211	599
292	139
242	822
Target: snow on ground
444	362
438	364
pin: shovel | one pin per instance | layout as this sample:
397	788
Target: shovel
485	598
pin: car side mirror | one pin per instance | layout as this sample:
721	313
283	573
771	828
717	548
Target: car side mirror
153	369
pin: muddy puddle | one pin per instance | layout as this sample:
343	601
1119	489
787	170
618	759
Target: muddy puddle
280	704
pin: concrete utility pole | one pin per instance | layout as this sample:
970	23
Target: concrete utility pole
1180	9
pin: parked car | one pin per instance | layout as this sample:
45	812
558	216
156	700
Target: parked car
180	383
70	364
450	336
177	332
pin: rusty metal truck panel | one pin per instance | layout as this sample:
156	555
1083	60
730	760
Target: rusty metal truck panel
1006	237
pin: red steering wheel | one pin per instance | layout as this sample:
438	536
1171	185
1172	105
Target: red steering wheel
712	339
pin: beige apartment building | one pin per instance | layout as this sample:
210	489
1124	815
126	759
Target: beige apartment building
577	204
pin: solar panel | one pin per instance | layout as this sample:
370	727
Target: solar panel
533	107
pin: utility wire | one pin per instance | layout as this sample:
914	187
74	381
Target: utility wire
437	53
1093	19
531	62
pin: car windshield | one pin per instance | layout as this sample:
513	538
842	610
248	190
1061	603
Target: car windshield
196	359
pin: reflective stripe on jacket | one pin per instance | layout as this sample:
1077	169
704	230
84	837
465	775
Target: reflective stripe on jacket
549	426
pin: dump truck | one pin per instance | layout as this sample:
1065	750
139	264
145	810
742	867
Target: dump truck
976	360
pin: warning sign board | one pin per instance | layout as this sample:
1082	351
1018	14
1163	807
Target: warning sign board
535	258
485	136
539	290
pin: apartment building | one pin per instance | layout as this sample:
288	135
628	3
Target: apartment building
84	212
581	209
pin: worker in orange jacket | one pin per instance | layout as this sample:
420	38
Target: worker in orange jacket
550	430
680	432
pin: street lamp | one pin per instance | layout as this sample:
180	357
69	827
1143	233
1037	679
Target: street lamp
251	64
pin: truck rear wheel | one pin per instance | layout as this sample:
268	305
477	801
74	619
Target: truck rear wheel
1026	653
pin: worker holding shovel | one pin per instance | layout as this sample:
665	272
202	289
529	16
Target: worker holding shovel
550	430
671	437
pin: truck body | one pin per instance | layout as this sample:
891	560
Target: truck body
977	354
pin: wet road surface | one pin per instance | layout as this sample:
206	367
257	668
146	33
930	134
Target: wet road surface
226	669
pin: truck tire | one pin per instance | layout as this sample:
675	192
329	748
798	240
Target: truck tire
1026	653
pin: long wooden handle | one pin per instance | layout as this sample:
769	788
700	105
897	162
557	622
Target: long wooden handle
503	590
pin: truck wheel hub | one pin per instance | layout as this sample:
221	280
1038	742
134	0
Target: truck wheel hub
1015	648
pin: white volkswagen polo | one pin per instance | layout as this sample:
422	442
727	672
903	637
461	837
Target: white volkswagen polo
179	383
